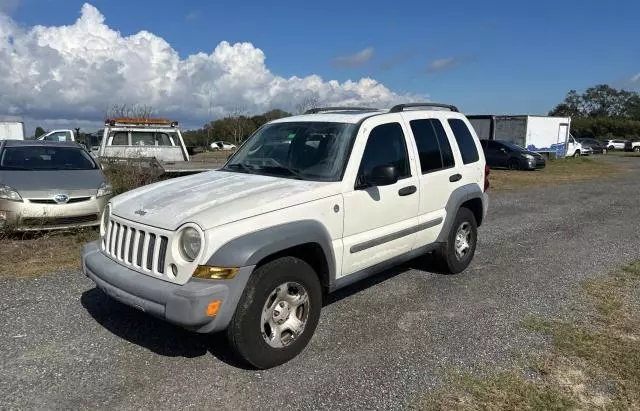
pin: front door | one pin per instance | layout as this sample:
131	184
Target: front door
379	222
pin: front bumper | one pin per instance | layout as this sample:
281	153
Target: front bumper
183	305
30	216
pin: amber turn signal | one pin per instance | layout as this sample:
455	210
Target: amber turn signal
214	273
212	308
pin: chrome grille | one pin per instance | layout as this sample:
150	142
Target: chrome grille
139	248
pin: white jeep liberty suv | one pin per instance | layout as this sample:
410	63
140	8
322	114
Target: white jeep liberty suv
307	205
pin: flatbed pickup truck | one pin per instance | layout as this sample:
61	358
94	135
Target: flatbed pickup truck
148	142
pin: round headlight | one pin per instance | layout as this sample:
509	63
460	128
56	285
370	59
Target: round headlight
190	243
104	222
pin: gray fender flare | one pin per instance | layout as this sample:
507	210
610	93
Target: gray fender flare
249	249
458	197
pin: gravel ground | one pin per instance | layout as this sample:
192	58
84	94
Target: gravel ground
379	345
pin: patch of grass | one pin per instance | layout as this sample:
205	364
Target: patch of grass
594	362
29	254
621	153
216	157
558	171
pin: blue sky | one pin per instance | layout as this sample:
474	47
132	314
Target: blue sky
484	56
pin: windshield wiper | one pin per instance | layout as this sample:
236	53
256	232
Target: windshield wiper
289	171
239	166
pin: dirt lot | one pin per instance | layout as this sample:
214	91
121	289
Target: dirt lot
386	343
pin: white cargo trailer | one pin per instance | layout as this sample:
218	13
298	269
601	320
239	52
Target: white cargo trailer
11	130
540	134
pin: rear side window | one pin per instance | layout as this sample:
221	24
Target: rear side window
465	141
433	145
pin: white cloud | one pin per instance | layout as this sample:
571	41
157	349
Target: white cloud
635	79
354	60
76	72
193	15
442	64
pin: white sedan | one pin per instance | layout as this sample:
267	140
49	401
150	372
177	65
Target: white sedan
222	145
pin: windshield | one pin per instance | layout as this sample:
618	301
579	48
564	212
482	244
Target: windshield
304	150
45	158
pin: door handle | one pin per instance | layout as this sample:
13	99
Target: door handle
406	191
455	177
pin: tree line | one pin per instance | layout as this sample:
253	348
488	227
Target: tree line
601	111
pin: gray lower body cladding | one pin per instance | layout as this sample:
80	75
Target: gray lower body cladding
183	305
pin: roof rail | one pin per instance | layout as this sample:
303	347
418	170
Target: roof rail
400	107
319	109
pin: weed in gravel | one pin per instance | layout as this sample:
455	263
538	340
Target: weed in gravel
594	362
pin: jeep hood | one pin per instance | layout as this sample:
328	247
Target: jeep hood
215	198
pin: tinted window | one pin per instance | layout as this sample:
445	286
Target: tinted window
145	138
430	143
120	138
385	146
445	147
465	141
45	158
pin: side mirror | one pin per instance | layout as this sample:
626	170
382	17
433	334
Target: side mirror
383	176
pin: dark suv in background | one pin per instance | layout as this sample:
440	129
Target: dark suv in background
500	153
598	147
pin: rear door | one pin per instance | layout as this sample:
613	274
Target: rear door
496	154
379	222
470	164
435	168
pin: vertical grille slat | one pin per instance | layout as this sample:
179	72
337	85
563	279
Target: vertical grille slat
150	252
140	248
123	241
162	254
131	244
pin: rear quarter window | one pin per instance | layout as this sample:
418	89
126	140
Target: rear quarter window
465	140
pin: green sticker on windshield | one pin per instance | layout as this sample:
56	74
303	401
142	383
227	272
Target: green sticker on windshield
290	136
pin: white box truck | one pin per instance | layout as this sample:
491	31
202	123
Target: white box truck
541	134
11	130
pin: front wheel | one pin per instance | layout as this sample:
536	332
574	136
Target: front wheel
636	149
277	313
456	254
514	164
576	154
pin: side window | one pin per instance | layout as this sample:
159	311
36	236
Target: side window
445	147
385	145
427	143
120	138
433	145
465	141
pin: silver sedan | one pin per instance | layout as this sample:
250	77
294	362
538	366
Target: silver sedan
49	185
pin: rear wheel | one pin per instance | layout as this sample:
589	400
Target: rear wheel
456	254
277	313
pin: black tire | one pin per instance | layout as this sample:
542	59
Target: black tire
576	154
445	256
514	164
244	331
636	149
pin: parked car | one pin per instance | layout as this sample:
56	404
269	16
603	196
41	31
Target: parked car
615	144
46	185
222	146
505	154
596	146
251	248
632	145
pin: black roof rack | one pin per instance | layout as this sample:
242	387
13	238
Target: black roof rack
319	109
400	107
